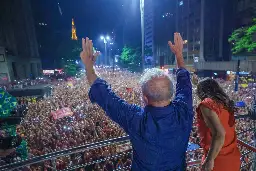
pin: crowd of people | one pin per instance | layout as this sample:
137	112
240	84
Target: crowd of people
89	123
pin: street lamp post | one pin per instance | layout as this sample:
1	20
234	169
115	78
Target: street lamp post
142	33
105	39
113	58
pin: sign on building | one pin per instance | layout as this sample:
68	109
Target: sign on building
236	58
196	59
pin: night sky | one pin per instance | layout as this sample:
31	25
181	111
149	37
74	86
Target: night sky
93	18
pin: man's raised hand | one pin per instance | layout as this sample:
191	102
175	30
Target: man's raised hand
177	49
88	56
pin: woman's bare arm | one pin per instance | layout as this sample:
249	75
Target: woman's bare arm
218	132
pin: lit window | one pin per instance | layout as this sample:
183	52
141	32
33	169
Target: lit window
181	3
42	24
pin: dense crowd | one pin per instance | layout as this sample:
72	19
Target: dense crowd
89	123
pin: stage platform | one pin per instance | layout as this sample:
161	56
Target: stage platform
36	90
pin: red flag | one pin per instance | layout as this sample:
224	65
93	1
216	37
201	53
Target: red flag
62	113
129	90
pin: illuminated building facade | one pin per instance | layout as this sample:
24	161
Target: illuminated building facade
149	30
206	26
73	32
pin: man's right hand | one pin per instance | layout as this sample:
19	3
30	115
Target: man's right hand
177	49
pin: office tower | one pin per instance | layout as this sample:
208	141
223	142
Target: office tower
149	30
19	57
205	27
73	31
164	27
246	10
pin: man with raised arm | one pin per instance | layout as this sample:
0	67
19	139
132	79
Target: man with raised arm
159	133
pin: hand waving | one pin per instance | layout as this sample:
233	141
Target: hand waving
88	56
177	47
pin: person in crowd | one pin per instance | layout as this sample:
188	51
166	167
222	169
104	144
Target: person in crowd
119	164
160	131
216	127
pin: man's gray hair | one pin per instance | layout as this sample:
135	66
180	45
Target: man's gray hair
158	93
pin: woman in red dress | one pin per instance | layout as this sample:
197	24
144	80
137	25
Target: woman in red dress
216	128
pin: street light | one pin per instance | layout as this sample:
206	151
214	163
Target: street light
142	32
105	39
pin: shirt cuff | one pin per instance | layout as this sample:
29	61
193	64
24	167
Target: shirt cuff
98	81
95	89
182	71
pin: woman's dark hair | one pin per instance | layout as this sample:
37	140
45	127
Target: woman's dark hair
209	88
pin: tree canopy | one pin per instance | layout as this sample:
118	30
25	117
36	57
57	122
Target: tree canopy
68	52
69	49
243	39
130	58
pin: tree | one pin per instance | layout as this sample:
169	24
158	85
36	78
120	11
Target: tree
130	58
68	52
70	68
69	49
243	39
126	54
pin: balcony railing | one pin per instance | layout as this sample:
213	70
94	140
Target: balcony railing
193	157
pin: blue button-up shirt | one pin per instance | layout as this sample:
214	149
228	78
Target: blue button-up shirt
159	135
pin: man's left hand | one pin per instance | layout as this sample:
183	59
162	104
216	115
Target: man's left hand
88	56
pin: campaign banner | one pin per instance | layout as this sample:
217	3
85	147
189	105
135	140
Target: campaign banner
61	113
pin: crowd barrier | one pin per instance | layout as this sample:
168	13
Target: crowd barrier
193	163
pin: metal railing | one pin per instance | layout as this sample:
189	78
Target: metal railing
248	156
54	155
247	150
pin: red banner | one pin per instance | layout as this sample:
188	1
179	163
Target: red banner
61	113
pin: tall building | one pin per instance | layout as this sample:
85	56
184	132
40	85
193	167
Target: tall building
73	31
19	57
50	30
246	10
164	27
205	27
149	30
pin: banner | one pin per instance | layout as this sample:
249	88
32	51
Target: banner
61	113
70	84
